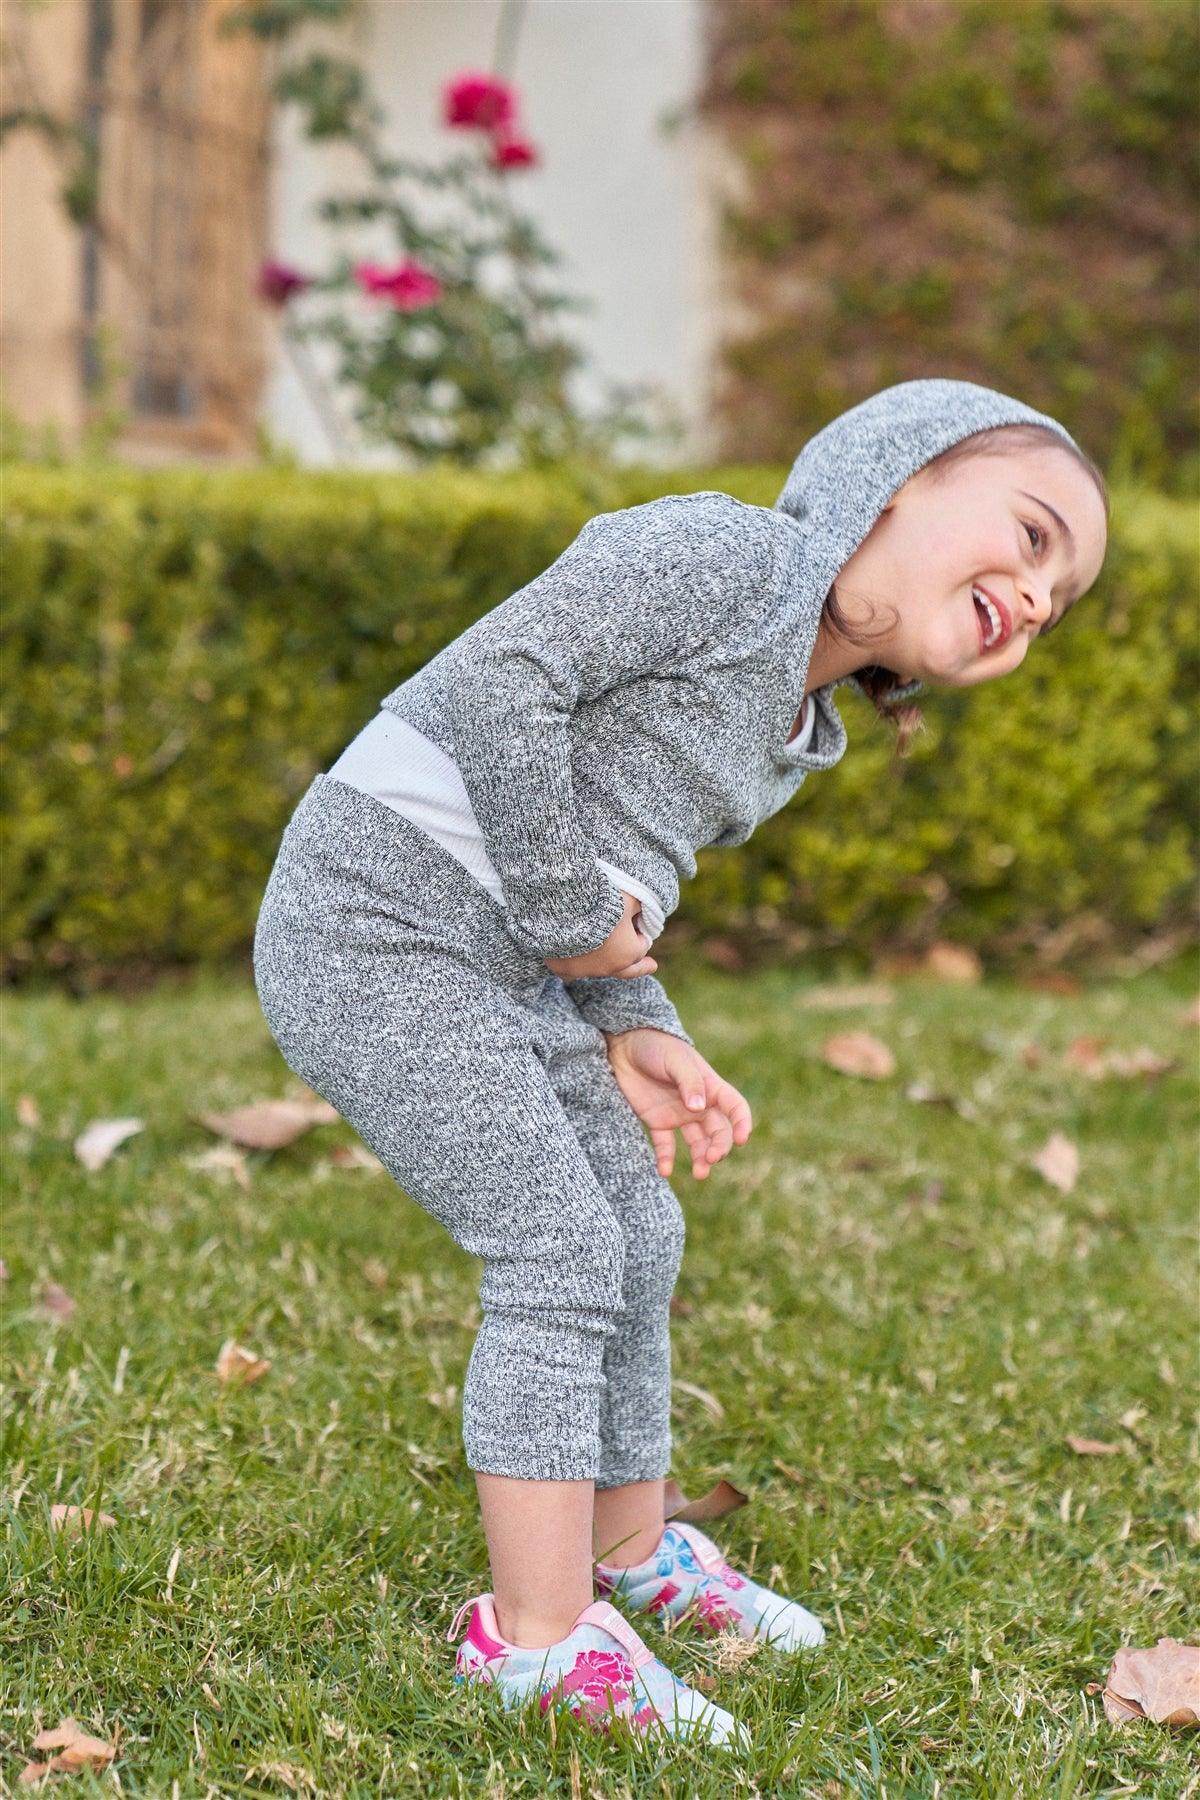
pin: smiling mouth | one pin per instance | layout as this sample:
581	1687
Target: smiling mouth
995	621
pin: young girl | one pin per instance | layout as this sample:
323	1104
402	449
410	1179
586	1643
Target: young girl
452	949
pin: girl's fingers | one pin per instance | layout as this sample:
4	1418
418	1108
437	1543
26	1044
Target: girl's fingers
663	1141
696	1138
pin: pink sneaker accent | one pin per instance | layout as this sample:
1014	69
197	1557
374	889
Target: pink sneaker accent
600	1670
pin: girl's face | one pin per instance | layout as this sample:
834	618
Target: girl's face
985	532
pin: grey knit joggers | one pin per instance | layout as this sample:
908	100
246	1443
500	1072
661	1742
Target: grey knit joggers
393	988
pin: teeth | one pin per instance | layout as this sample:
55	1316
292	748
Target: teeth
993	617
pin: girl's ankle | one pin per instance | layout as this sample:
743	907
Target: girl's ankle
531	1631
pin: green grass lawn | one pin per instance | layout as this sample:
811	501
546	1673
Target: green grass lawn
898	1350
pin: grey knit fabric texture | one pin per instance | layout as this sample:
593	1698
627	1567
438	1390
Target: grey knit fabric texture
392	986
633	702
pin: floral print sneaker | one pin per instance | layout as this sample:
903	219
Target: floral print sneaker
600	1671
688	1577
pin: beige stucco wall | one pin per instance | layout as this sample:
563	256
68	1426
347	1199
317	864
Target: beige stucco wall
40	258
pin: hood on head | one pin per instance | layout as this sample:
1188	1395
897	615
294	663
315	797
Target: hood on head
846	474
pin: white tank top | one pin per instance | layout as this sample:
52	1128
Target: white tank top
398	765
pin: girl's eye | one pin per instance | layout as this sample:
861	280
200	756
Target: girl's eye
1041	535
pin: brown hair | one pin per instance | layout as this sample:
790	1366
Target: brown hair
878	682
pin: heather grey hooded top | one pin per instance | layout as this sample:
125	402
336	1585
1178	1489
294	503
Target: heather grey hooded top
633	701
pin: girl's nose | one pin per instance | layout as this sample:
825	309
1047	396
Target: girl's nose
1035	604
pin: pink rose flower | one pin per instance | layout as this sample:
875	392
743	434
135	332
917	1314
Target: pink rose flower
477	100
512	152
278	281
406	286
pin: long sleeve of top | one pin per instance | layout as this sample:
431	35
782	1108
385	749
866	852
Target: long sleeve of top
626	607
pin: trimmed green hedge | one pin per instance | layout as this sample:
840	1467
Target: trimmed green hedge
184	650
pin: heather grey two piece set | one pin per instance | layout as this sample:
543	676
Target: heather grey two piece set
631	704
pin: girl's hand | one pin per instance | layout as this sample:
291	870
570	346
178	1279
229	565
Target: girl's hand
623	952
659	1075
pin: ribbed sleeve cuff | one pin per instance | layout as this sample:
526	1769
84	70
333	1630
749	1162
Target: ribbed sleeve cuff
560	917
612	1004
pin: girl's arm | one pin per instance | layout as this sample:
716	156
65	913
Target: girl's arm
639	592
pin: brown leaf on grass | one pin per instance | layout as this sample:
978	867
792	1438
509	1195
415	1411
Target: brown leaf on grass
722	953
77	1749
834	995
1085	1053
722	1499
96	1143
55	1302
953	962
27	1111
236	1364
1032	1055
77	1518
222	1159
269	1124
1089	1056
1162	1684
858	1053
355	1156
375	1272
702	1394
1091	1446
1058	1162
1051	981
680	1309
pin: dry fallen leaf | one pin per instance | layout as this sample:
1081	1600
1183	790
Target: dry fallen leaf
722	953
702	1394
1162	1684
858	1053
1088	1055
236	1364
722	1499
1032	1055
55	1302
1058	1161
27	1110
953	962
77	1518
269	1124
96	1143
680	1309
832	996
1085	1053
356	1156
375	1272
1091	1447
1051	981
222	1159
77	1750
